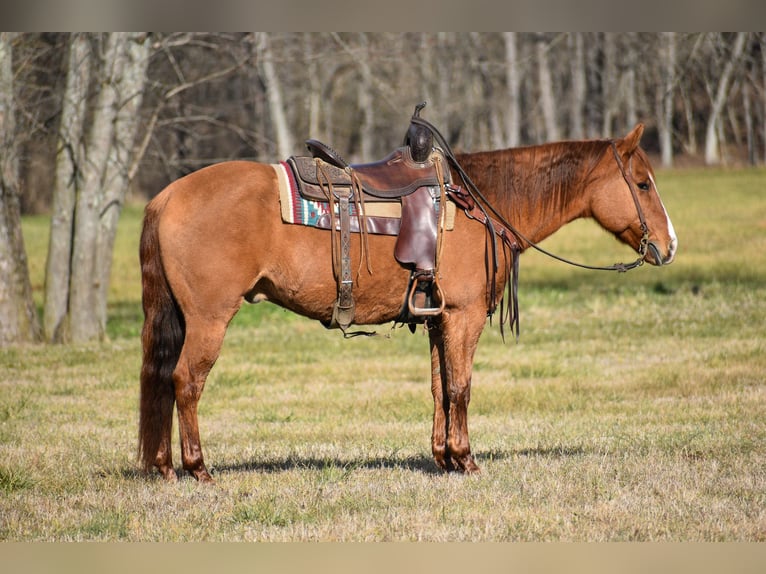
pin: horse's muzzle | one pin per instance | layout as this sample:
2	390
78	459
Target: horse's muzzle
656	254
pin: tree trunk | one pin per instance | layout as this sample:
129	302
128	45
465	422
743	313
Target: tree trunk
434	79
277	109
593	104
712	145
367	128
489	115
130	89
314	97
691	124
608	83
763	93
104	182
547	98
84	324
513	85
18	317
427	65
577	118
68	178
666	87
445	46
749	131
628	89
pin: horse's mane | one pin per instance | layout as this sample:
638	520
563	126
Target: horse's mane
543	177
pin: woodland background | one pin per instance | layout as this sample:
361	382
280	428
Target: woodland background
89	121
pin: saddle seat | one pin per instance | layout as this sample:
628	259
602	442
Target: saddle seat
390	178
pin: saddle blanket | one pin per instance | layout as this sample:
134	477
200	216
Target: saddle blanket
295	209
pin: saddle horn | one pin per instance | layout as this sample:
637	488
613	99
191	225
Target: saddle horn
419	137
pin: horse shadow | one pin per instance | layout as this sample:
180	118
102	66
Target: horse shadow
417	463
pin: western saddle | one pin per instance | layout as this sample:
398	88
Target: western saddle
416	175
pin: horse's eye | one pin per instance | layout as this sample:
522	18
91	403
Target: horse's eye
643	186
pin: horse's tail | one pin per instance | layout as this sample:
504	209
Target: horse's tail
162	338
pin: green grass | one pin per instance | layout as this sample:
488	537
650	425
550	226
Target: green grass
632	408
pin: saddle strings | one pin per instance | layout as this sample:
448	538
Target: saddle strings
364	246
333	232
442	212
361	216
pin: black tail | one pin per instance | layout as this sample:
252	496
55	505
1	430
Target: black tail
162	338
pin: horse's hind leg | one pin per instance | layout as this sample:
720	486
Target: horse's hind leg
453	344
200	351
164	458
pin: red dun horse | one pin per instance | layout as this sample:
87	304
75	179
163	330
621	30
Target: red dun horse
215	239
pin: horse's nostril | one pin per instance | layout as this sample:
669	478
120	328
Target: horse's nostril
656	255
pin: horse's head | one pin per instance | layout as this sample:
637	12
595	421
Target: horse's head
636	216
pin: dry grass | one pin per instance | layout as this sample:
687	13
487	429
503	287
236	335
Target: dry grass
632	409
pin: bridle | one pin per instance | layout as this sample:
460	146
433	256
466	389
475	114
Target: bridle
643	247
499	226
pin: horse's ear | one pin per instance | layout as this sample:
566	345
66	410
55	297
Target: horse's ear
630	142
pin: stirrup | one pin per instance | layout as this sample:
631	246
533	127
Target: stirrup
422	293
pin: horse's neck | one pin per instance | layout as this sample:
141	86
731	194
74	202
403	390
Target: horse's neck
537	188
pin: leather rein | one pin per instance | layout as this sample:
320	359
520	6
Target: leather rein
477	195
501	227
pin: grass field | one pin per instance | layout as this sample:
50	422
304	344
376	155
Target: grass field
632	408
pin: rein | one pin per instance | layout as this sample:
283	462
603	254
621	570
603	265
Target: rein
476	194
619	267
499	226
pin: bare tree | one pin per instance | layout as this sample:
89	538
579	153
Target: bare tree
314	96
444	42
277	109
665	90
83	321
749	128
712	139
609	83
18	317
70	153
763	89
487	112
513	87
93	170
628	89
577	119
547	95
118	174
367	127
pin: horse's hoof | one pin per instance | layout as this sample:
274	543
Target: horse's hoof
466	465
206	479
444	463
202	476
168	474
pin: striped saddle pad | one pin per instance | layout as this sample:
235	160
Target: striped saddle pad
383	217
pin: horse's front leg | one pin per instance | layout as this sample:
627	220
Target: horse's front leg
441	400
453	344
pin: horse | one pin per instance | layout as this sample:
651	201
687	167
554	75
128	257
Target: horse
214	239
